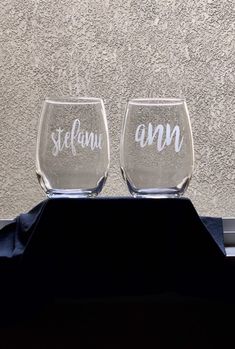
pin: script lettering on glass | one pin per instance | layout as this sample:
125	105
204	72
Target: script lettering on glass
161	135
76	137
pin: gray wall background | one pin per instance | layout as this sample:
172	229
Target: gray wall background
118	49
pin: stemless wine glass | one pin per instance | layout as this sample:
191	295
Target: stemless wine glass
72	157
156	147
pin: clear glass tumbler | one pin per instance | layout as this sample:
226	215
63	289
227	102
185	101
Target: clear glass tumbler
156	155
72	157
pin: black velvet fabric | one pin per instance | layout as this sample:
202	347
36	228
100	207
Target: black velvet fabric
160	275
15	236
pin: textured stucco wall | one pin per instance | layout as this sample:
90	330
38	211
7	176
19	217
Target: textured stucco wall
117	49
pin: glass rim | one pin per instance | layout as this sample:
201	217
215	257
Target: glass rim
156	101
72	100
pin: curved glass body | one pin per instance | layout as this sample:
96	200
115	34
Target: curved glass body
72	157
156	147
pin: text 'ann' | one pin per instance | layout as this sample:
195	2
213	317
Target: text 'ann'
160	135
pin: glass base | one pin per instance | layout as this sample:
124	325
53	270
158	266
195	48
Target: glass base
156	193
156	196
70	194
